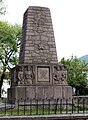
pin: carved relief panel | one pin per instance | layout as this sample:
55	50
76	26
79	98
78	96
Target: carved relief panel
28	75
22	75
60	75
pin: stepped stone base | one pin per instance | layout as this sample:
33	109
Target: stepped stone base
39	92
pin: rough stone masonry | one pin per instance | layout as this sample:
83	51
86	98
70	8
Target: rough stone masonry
38	43
38	74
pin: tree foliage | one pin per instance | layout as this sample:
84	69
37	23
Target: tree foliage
77	73
2	7
9	46
9	43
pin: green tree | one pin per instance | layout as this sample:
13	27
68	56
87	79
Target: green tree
2	7
9	47
77	73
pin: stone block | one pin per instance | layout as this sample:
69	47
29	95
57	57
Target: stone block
57	92
52	49
40	92
20	92
27	52
44	38
68	92
48	91
30	33
30	92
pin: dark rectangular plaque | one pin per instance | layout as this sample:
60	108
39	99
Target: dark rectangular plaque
43	73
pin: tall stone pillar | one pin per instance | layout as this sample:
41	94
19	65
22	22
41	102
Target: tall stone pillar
38	43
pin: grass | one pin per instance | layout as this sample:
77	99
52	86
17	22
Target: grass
40	111
46	109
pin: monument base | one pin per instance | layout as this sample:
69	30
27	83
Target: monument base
39	92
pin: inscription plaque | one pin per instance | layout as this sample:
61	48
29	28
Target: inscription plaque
43	74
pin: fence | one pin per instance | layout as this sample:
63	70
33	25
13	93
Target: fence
44	106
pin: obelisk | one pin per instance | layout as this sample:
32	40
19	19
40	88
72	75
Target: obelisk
38	43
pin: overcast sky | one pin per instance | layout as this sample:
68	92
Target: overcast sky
70	23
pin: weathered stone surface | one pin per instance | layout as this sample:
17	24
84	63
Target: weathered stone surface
49	92
43	74
57	92
38	74
41	92
38	26
38	93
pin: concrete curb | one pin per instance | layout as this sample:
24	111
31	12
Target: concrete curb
47	117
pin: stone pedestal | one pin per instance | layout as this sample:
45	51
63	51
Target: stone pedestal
41	92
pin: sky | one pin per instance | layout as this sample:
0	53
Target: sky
70	23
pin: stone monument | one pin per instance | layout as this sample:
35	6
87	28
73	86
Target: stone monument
38	74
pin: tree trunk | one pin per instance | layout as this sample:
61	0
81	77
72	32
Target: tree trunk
1	81
0	91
